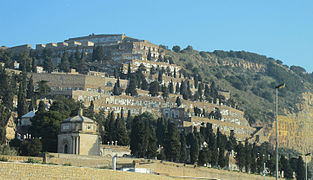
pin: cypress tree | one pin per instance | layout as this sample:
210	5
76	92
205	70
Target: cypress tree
138	138
21	105
161	131
65	64
183	145
154	88
247	150
240	156
151	151
34	65
194	149
172	147
178	102
131	87
48	65
30	89
164	92
171	87
121	134
177	88
300	170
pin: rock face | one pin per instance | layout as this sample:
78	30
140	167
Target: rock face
295	130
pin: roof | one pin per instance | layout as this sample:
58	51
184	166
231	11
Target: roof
30	114
79	118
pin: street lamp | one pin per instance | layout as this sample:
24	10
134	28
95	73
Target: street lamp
306	166
276	88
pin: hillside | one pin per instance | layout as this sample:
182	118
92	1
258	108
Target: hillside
251	79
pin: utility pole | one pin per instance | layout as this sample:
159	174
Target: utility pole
276	88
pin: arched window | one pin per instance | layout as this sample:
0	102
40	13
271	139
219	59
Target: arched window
65	149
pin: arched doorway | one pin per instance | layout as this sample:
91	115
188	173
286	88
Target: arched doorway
65	149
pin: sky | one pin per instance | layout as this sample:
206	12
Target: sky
281	29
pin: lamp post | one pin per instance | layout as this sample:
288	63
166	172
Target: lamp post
306	166
276	88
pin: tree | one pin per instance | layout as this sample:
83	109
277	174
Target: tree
46	125
138	135
177	88
131	87
116	88
164	92
178	102
121	134
171	87
183	145
43	88
154	88
151	151
160	76
82	66
176	49
149	57
194	148
161	131
41	107
21	104
204	156
34	65
172	145
240	156
48	65
31	147
300	171
65	64
98	53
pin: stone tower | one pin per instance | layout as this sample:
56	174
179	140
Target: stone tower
79	135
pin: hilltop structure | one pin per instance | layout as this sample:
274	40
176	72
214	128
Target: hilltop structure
124	55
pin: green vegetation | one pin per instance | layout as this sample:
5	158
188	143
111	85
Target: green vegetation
251	79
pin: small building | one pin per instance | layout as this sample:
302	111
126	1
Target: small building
79	135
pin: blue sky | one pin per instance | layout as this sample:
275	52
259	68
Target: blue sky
282	29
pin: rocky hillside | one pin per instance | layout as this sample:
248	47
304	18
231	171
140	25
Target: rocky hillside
251	79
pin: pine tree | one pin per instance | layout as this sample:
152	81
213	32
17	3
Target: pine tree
172	147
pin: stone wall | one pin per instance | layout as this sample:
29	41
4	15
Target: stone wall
9	170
